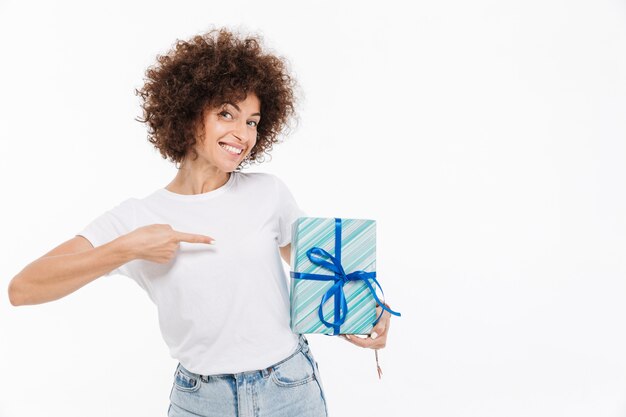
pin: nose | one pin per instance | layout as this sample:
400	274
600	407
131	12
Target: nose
243	132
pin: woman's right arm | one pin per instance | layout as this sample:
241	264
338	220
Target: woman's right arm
76	262
65	269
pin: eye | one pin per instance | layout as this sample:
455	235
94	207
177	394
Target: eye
255	123
223	113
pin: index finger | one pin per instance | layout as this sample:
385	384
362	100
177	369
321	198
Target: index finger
193	238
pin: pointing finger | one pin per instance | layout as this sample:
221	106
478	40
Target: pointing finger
193	238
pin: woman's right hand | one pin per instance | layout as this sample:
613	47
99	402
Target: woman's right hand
159	242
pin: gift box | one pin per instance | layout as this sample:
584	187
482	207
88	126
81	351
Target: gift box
333	277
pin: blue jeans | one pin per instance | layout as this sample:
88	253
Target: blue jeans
289	388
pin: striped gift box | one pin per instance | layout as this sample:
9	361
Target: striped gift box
358	253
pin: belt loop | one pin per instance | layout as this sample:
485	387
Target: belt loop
266	372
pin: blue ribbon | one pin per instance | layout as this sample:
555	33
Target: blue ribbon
317	256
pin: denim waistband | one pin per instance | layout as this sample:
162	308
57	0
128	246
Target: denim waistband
303	346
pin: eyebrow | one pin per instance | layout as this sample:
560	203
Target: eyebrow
239	110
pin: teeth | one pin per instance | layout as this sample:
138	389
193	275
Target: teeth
231	149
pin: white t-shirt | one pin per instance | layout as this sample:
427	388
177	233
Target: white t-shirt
223	308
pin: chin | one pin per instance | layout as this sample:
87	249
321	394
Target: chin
229	167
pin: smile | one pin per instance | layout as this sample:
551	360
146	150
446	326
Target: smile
231	149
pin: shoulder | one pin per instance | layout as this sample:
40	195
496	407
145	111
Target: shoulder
258	179
127	204
264	183
124	209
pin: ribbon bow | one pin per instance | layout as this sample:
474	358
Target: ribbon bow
318	257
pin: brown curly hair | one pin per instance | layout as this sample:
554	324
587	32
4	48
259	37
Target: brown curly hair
205	72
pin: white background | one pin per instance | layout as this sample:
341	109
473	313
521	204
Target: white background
487	138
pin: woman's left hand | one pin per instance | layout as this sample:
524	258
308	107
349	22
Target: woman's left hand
377	339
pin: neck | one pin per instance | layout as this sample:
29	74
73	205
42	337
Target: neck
194	179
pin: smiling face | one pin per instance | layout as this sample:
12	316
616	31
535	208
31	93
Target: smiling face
230	133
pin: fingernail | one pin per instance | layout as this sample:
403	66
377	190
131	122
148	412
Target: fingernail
374	335
347	336
212	242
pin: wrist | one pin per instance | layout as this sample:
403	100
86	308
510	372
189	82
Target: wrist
123	249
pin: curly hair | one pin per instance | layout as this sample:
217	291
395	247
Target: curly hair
205	72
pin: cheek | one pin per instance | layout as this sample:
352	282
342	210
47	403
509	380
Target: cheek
218	130
253	143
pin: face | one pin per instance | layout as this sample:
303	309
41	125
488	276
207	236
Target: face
230	132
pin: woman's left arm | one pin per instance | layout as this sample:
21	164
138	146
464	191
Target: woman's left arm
285	252
377	339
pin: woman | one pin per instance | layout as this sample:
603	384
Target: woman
207	248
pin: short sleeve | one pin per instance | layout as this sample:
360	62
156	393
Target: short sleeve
110	225
288	212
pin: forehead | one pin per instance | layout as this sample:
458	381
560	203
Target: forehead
250	104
